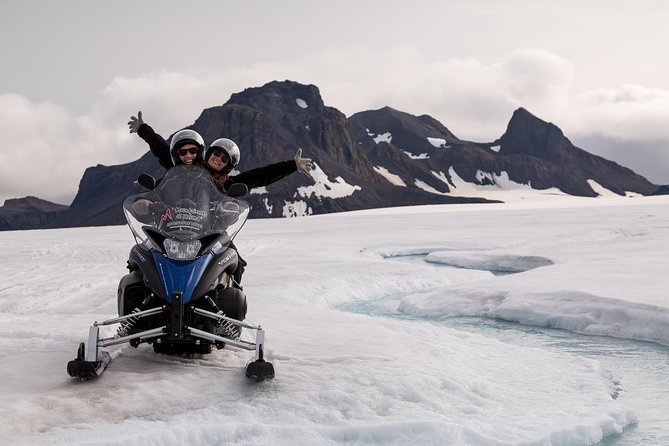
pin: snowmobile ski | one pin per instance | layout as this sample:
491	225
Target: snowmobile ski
260	370
80	368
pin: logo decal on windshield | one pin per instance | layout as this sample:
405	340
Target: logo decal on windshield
164	217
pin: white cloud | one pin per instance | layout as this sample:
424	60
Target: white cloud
46	150
629	111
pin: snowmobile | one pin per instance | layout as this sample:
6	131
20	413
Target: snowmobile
180	294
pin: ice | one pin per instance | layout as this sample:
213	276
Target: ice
345	378
499	263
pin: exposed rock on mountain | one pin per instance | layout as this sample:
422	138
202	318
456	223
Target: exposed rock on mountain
662	190
531	151
102	190
29	213
375	158
269	123
562	164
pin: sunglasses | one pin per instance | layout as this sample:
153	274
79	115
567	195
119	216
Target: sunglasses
220	154
184	152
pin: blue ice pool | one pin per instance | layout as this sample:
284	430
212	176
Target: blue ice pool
640	370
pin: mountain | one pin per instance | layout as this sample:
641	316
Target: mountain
375	158
531	151
29	213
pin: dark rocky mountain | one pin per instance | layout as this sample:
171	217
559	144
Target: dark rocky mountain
102	190
530	151
29	213
662	190
373	159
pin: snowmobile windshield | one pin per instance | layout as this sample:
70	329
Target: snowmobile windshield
185	205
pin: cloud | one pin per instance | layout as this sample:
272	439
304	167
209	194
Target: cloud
47	148
475	100
627	112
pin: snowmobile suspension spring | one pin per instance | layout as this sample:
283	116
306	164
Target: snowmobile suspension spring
125	326
228	327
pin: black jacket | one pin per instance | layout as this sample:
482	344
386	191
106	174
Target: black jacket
258	177
159	147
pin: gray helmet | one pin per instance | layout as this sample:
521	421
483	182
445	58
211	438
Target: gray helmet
183	137
229	147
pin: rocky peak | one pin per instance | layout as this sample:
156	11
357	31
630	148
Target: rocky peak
31	203
387	118
283	95
29	213
528	135
405	131
269	123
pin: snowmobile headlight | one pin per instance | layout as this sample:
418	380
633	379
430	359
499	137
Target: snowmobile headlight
181	250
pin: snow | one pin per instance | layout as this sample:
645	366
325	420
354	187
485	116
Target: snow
600	190
258	190
502	188
268	206
296	208
380	137
438	142
426	187
325	188
592	265
391	177
422	156
301	103
495	148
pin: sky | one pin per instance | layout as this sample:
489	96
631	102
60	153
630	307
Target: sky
74	71
412	340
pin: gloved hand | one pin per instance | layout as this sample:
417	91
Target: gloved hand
134	123
227	207
141	206
304	165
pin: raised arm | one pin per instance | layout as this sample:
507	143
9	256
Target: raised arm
159	147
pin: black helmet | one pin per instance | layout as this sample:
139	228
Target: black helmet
183	137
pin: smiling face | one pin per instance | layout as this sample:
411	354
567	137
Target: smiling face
187	153
218	160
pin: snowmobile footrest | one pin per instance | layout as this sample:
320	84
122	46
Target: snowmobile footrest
79	368
260	370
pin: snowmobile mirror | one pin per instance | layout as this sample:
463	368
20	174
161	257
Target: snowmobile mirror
147	181
238	190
